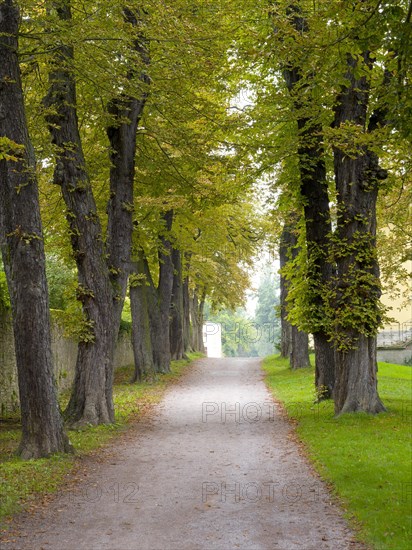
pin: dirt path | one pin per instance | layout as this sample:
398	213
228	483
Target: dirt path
196	476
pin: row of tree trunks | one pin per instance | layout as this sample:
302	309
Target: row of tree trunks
150	308
346	371
21	240
103	270
314	192
167	320
294	342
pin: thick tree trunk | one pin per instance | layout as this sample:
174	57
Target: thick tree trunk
299	353
176	310
21	241
356	382
314	191
142	302
294	343
126	112
358	287
324	366
91	398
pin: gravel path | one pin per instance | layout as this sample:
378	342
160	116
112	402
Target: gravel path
215	467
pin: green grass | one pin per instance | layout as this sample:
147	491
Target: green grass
26	483
366	459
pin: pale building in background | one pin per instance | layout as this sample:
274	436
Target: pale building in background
401	310
395	339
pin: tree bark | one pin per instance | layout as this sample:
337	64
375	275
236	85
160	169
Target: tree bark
358	288
22	247
91	399
161	324
356	383
126	112
294	343
299	350
151	309
201	320
314	191
176	309
186	316
325	371
142	303
286	327
196	314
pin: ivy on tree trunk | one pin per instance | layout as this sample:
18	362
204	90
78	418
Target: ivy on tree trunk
357	293
315	198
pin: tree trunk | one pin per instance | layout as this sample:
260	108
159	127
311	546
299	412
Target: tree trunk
299	353
314	191
294	343
176	309
356	382
126	112
358	287
196	315
324	366
201	321
194	333
151	309
21	241
286	327
186	316
142	302
161	324
91	398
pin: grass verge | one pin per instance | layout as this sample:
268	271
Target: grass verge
23	483
366	459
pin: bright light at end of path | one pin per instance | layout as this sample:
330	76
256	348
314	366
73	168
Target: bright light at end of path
212	339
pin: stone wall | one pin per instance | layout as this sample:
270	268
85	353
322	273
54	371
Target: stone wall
396	355
64	356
